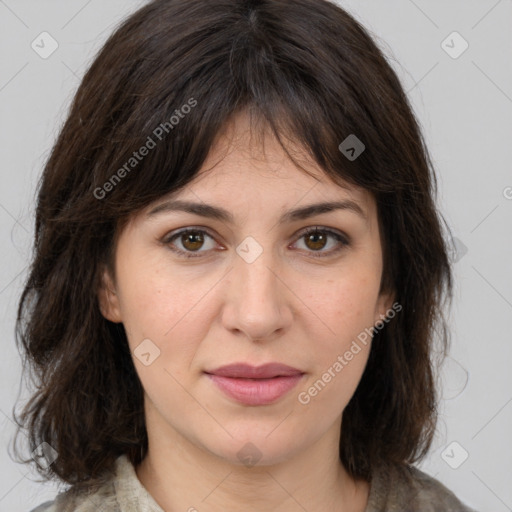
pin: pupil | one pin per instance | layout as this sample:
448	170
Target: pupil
318	240
192	241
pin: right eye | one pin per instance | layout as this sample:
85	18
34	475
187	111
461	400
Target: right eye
191	241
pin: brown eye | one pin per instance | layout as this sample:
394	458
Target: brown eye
317	239
192	240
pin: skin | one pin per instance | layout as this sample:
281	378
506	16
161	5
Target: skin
287	306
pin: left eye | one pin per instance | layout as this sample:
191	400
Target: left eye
315	240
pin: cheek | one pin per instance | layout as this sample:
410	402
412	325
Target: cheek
345	305
341	352
170	310
152	297
164	314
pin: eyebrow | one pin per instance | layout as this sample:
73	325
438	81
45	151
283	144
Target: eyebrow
218	213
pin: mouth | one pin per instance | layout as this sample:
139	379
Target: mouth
253	385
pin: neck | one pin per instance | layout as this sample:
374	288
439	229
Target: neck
183	476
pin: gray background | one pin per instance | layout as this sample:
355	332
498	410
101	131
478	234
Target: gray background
465	107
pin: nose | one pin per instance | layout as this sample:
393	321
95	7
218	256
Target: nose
257	299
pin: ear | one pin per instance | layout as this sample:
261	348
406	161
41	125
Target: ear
108	299
384	304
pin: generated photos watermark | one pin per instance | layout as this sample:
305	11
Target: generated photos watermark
157	135
363	337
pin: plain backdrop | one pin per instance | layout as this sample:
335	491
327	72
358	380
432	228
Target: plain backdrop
463	100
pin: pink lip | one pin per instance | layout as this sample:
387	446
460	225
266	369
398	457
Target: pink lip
255	385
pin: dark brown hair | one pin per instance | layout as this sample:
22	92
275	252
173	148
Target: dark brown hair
314	75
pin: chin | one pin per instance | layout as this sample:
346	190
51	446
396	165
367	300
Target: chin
256	448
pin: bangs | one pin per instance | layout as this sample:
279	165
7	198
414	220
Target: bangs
183	87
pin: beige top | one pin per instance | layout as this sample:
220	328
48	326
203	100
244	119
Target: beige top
404	489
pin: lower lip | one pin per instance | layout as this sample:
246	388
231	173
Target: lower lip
256	391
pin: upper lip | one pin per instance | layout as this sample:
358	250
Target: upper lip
247	371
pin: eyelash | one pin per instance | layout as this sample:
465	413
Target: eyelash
316	254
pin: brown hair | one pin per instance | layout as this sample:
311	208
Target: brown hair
315	76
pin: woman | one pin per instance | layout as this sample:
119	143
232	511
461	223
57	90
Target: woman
238	274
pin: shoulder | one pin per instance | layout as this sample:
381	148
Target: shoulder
116	491
408	488
48	506
92	499
103	499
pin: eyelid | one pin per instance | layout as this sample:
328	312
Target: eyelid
166	240
323	229
340	236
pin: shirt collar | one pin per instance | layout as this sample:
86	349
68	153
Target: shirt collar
131	495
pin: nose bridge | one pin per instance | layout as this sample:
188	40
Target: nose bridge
256	304
253	269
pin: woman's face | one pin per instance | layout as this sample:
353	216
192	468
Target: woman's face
255	289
